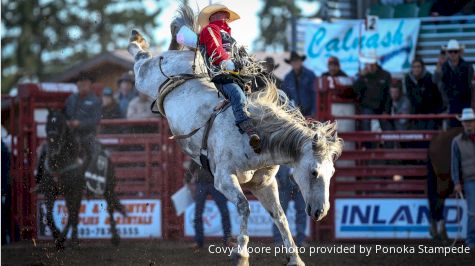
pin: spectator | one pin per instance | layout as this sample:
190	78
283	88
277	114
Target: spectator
299	85
424	95
205	186
270	66
457	80
400	105
288	190
437	77
83	112
463	168
372	89
139	107
334	69
126	92
110	110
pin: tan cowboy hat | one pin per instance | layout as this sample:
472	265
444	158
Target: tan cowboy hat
203	17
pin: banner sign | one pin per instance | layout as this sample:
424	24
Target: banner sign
393	41
260	222
395	218
143	219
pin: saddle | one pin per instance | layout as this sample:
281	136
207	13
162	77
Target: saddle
96	171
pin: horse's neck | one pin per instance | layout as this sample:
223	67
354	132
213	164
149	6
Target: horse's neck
68	151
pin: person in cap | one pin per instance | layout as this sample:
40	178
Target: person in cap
126	91
216	46
334	69
372	89
299	85
110	108
457	77
463	169
83	113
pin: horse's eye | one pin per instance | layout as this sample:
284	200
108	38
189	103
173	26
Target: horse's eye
314	173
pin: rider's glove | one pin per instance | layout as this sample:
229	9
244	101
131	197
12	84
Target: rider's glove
228	65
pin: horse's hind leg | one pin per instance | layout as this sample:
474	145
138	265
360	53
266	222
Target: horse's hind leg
113	203
58	237
229	186
267	193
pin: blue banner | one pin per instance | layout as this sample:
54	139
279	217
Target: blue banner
394	41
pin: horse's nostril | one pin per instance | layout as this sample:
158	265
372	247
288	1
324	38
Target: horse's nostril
318	213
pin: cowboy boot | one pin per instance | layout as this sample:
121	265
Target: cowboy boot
254	139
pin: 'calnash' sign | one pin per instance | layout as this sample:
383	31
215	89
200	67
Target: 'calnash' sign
394	42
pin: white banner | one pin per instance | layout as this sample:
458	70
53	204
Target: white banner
395	218
143	219
260	222
394	41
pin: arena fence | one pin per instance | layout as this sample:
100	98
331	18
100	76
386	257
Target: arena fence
151	166
378	166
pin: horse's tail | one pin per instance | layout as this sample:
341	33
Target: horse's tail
185	17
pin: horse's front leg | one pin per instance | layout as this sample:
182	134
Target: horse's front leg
268	194
73	203
58	237
228	185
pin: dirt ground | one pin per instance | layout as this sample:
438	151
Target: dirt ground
155	252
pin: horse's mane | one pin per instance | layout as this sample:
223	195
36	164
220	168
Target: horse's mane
284	129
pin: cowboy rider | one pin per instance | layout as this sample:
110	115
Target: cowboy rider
216	46
83	113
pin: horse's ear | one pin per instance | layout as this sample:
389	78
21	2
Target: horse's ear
335	136
315	141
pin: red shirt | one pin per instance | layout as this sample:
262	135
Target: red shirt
210	37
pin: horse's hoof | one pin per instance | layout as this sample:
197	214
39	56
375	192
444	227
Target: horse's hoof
296	262
135	36
59	244
115	240
75	244
240	260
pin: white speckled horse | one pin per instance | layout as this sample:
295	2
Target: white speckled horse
310	148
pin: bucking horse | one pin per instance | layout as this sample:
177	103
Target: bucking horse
185	95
